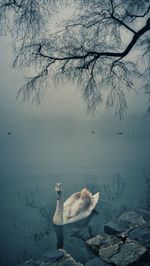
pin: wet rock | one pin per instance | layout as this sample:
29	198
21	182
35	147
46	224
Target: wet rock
113	250
66	260
95	242
104	246
53	258
128	253
28	263
53	255
117	228
142	235
96	262
110	247
132	217
146	214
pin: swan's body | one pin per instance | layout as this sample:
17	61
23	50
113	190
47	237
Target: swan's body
78	206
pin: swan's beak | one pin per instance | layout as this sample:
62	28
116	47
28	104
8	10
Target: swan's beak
58	188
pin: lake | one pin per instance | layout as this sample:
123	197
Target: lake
37	155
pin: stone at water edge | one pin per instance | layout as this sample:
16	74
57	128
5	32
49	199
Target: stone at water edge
112	250
106	253
132	217
96	262
28	263
105	246
65	260
52	255
114	228
146	214
95	242
142	235
130	252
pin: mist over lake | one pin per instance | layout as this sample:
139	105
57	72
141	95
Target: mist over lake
38	154
58	141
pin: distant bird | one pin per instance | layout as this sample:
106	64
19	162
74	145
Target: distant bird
77	207
119	133
9	133
93	132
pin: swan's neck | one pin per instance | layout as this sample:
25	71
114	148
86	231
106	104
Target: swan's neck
58	216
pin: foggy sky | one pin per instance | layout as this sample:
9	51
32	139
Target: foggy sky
63	102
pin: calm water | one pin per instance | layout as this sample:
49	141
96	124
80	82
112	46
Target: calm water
36	156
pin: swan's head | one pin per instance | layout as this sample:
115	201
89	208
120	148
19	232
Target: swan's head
58	188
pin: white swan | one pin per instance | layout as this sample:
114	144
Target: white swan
78	206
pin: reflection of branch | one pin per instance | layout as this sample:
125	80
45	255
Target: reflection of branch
114	192
90	183
42	234
30	201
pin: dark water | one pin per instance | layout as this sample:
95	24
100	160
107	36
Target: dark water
35	157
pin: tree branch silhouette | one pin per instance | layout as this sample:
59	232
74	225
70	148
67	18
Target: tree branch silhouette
89	49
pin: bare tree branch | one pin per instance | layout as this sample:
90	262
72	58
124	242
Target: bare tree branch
134	16
96	55
90	47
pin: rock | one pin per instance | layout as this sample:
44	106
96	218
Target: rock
53	255
105	246
109	247
28	263
107	252
96	262
132	217
66	260
53	258
69	263
142	235
146	214
117	228
113	250
95	242
129	252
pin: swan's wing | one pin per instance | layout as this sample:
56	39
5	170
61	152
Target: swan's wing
68	204
84	213
87	204
71	199
77	207
78	217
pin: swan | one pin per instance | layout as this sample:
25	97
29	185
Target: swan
78	206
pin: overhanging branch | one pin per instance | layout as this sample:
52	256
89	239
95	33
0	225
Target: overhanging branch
96	55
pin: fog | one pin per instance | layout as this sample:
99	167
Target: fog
53	142
59	103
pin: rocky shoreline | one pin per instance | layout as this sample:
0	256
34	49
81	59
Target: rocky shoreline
125	241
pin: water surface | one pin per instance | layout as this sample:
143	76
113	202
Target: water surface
37	155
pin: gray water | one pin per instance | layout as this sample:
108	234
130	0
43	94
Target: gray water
37	155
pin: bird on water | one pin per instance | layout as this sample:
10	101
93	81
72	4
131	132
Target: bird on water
77	207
